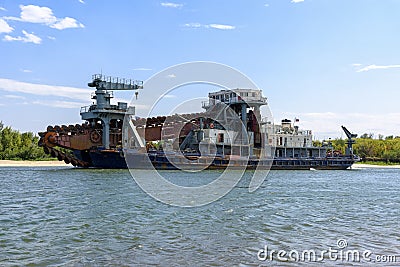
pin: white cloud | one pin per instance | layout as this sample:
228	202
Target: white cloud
214	26
2	8
14	96
26	71
222	26
44	15
171	76
142	69
173	5
297	1
51	37
44	90
193	25
4	27
28	38
266	5
60	104
79	97
81	1
375	67
37	14
356	65
328	124
66	23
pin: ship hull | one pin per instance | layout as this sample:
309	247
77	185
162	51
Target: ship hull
112	159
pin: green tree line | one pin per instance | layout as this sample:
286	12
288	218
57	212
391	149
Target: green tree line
370	149
19	146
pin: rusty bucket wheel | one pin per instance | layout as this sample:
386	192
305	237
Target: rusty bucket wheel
95	136
49	139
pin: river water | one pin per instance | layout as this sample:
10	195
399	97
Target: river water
63	216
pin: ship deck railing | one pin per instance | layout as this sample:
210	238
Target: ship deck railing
85	109
90	108
233	100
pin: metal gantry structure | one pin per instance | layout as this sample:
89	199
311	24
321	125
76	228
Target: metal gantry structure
102	110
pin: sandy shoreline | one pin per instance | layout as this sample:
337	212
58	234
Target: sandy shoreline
27	163
363	166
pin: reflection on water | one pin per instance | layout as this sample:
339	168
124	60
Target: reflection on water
63	216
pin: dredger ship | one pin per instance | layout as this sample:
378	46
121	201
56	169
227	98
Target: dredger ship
230	132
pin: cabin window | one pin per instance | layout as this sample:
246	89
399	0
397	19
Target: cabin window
253	94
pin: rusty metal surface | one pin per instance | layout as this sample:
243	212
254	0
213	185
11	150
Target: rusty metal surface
79	142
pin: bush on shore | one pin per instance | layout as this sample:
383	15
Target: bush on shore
19	146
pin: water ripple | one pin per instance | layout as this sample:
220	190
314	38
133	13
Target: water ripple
62	216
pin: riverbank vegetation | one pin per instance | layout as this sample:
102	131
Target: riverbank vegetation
383	149
19	146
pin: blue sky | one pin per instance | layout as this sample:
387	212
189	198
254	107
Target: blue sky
327	62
